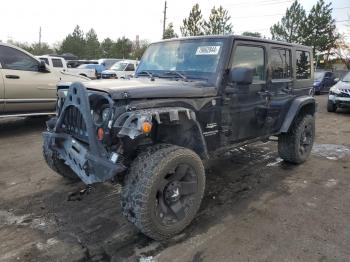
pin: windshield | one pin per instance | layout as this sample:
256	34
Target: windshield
346	78
119	66
188	57
318	76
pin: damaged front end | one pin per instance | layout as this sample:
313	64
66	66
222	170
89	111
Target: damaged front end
96	136
73	136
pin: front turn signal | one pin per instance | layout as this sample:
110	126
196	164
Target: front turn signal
100	133
146	127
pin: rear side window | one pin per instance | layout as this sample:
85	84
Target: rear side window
252	57
280	63
57	62
14	59
130	67
303	65
45	60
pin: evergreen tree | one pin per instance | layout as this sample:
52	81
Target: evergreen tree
169	32
290	26
93	50
74	43
255	34
107	47
193	25
122	48
218	22
319	29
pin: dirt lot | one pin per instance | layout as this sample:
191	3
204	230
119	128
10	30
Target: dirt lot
256	207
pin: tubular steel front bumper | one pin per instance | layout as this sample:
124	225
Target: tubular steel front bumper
90	161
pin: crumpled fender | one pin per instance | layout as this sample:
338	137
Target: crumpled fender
130	122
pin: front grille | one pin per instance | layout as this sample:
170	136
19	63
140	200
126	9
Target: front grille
344	93
74	123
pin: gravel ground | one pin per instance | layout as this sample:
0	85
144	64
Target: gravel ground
256	207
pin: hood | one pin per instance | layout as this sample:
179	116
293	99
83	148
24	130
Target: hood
68	77
145	88
108	71
343	85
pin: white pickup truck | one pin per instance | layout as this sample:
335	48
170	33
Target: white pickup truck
60	64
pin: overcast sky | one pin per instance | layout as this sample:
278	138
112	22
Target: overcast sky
20	19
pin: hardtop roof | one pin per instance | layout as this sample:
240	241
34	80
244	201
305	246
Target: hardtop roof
238	37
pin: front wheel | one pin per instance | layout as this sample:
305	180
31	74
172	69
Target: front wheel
163	190
331	107
295	145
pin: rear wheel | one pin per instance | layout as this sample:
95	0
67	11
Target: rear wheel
295	145
331	107
163	190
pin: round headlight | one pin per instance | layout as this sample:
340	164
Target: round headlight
105	114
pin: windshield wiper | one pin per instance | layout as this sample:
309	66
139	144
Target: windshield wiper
147	73
176	74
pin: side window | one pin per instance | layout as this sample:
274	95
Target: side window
280	63
57	62
130	67
14	59
45	60
329	75
303	65
252	57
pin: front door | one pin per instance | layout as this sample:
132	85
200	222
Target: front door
249	102
26	89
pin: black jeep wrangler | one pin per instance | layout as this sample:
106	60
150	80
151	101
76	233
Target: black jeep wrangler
190	99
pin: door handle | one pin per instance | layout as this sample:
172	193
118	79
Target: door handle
12	76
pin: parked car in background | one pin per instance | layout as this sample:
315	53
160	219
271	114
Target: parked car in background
27	84
108	62
58	63
339	94
121	69
76	63
97	67
323	80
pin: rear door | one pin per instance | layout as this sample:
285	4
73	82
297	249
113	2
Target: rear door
280	85
26	89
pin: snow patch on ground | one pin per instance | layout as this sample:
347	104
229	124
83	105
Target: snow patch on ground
276	162
330	151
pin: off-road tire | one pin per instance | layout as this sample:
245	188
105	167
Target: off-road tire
139	189
289	143
331	107
57	164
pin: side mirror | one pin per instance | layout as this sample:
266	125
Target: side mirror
241	75
42	67
336	80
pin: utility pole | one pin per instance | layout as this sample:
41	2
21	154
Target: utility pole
40	37
164	19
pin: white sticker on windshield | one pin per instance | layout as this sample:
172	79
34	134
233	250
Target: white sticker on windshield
208	50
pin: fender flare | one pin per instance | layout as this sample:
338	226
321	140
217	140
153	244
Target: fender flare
294	109
130	122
